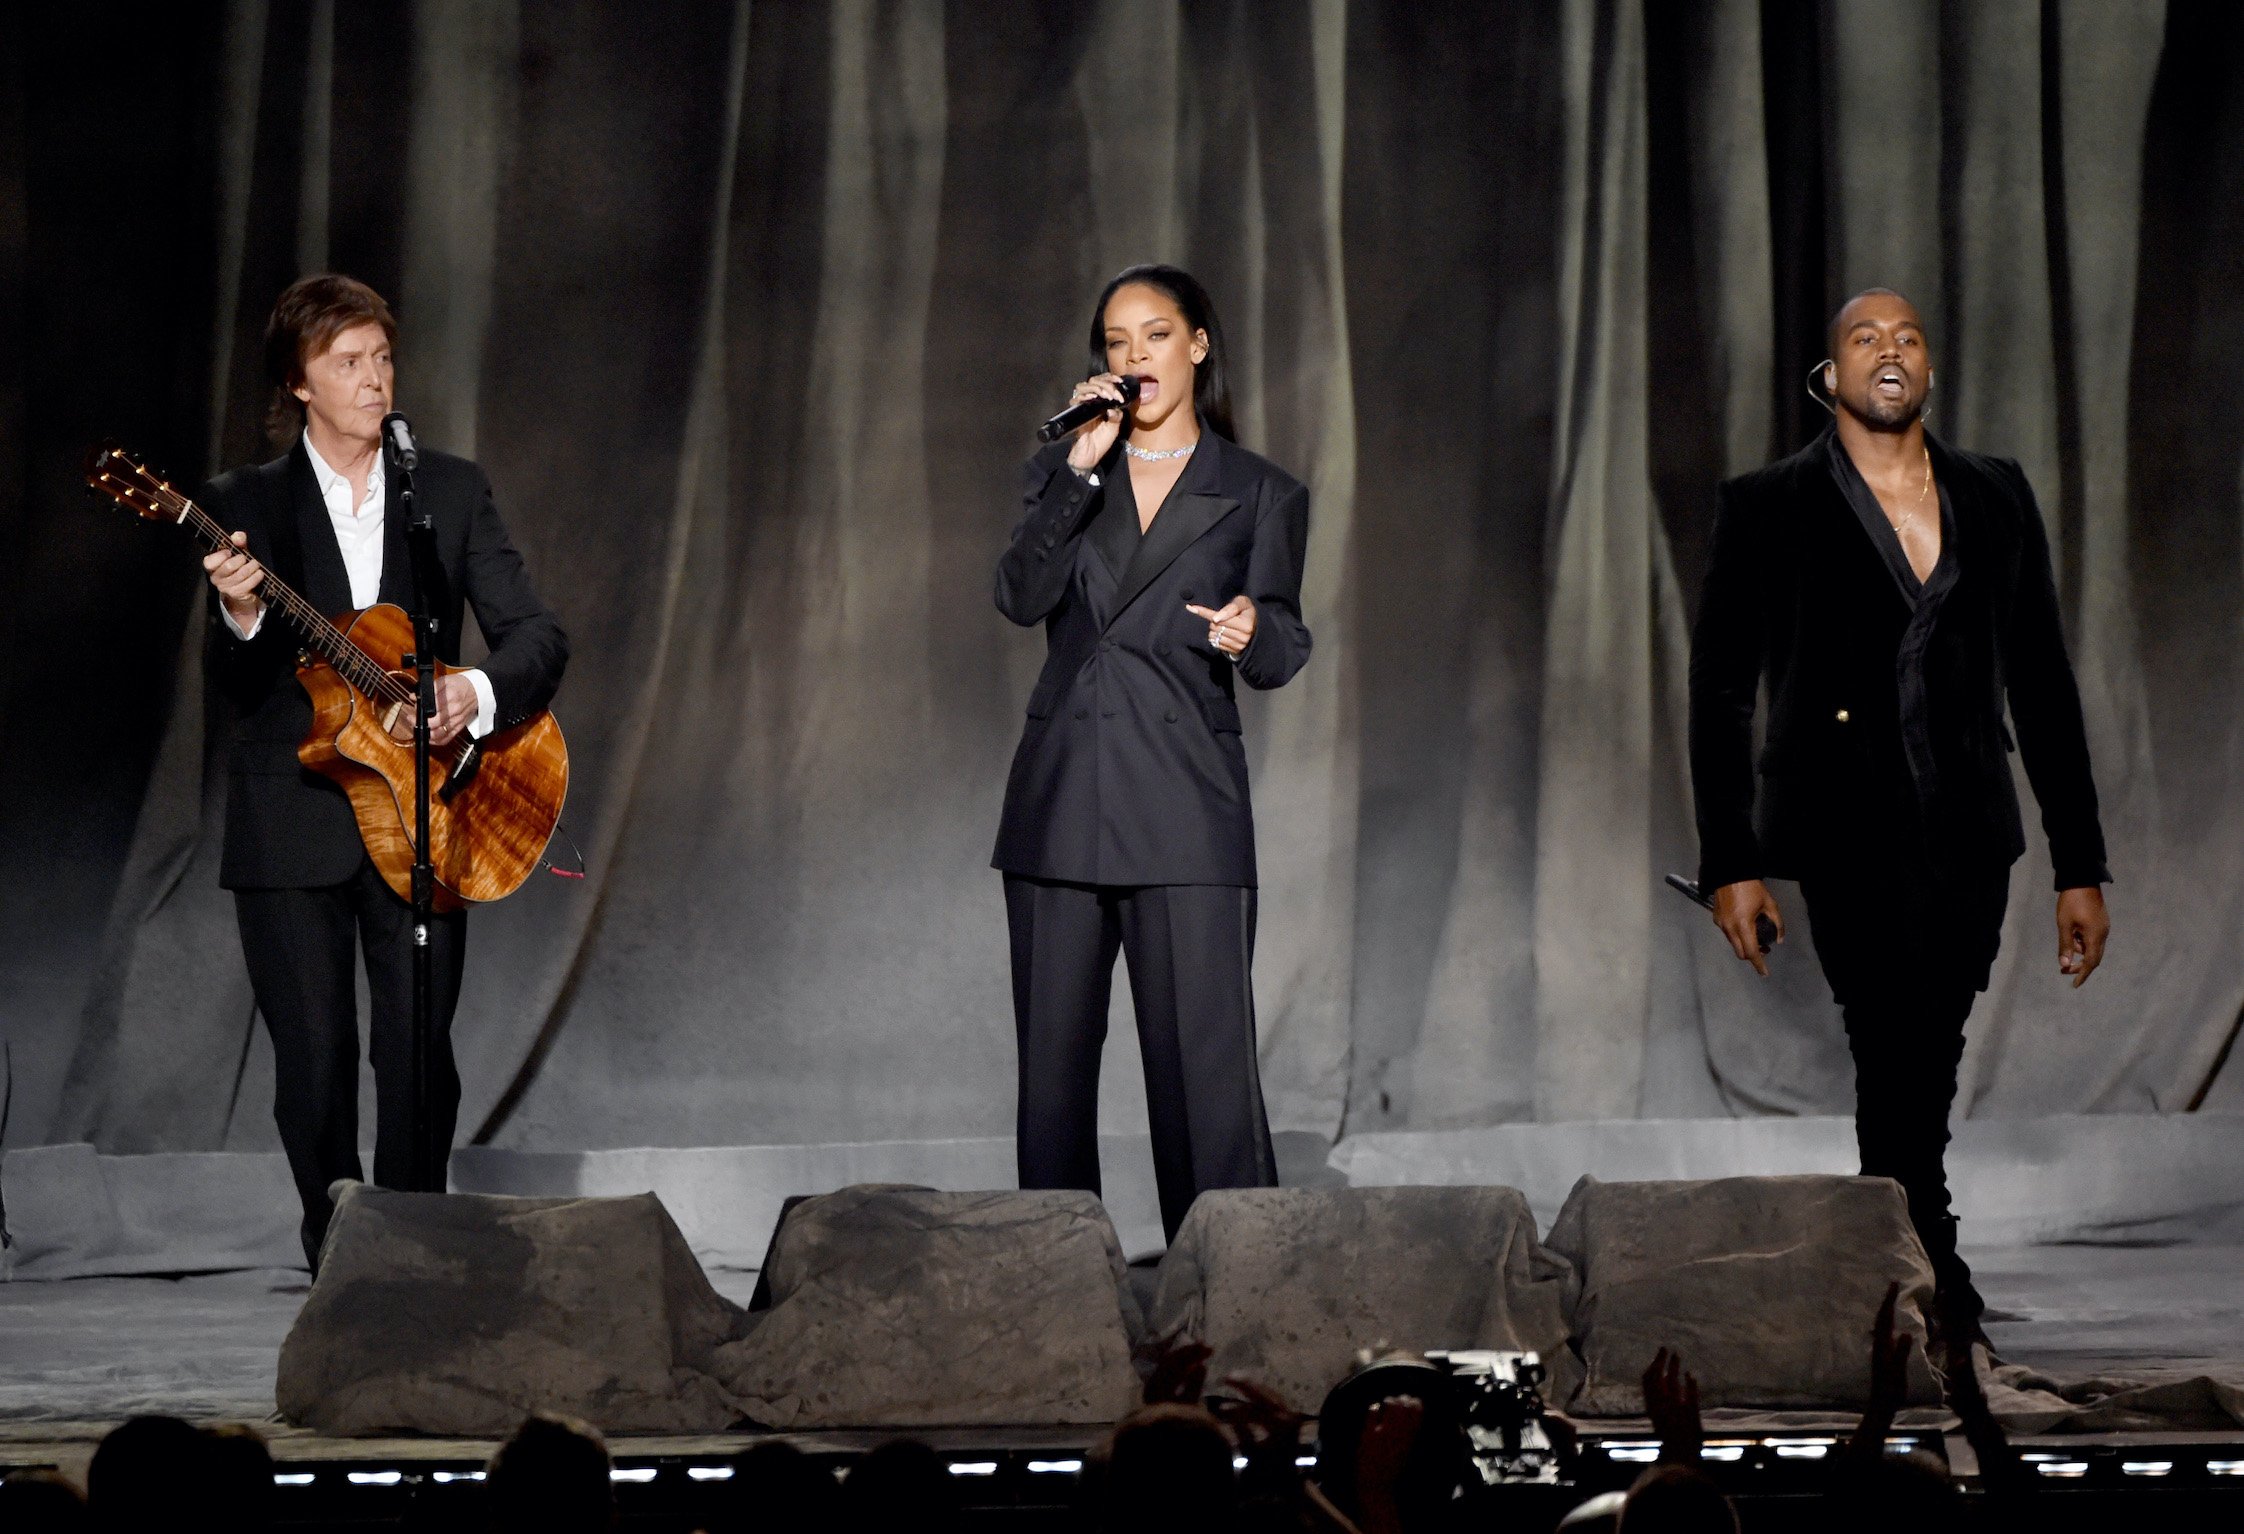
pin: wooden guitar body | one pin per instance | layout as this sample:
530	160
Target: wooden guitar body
492	809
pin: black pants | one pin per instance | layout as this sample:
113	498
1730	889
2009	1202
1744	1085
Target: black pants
1190	948
302	946
1907	953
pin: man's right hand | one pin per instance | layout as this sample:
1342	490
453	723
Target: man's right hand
237	577
1735	908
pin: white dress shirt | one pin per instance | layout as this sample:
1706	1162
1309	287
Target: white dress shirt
358	533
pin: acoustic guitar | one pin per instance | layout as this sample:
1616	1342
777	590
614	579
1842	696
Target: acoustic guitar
493	803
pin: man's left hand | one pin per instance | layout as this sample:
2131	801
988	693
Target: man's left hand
2082	927
456	707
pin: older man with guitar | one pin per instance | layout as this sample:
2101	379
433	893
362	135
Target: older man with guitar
309	890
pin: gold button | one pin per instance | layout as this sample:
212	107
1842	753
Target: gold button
1842	716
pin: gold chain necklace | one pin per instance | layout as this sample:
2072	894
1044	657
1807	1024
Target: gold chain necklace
1923	490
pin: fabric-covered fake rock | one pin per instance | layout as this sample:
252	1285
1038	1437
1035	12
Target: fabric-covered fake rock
1288	1284
1767	1286
460	1313
905	1307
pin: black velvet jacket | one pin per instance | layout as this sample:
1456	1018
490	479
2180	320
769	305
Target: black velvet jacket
1131	770
1886	742
289	828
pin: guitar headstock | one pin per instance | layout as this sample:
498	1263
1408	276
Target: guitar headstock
121	476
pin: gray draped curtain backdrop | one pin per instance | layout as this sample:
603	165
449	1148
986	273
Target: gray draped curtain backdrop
748	310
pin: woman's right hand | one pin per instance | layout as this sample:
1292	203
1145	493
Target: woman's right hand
1094	439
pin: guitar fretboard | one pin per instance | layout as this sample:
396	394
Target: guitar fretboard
332	644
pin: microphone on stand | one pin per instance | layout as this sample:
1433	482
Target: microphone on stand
400	437
1085	410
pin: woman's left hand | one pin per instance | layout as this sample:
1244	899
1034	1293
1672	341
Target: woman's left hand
1230	627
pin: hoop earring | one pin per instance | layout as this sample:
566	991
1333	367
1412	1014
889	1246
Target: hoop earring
1821	399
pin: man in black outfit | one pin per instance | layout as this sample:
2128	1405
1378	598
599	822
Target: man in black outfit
324	518
1894	591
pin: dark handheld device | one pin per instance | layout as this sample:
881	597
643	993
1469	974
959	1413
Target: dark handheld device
1087	410
1763	928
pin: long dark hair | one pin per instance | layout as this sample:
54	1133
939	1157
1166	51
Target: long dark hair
1211	390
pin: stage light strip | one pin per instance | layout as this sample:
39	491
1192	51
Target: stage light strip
294	1478
638	1474
2147	1467
2224	1467
973	1467
376	1477
2063	1469
709	1472
447	1477
1055	1467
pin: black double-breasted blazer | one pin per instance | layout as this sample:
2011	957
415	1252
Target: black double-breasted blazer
286	827
1886	739
1131	770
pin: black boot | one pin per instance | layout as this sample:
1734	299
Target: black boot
1956	1322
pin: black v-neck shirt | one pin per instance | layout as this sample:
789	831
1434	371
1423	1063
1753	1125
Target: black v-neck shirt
1872	515
1923	598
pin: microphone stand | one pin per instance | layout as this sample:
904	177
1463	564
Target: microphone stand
429	1166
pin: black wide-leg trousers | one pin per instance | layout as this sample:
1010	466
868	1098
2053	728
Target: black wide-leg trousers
303	946
1190	948
1907	953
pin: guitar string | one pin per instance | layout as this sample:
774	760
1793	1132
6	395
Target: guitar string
353	664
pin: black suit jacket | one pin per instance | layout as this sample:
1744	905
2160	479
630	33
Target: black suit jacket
1886	738
1130	769
287	828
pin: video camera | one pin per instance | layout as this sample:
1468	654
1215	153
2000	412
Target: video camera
1485	1423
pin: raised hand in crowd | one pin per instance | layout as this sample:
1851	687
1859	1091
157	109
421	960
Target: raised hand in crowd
1671	1400
1178	1369
1889	1378
1382	1457
2000	1468
1268	1430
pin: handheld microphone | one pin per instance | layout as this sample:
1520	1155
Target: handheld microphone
400	437
1086	410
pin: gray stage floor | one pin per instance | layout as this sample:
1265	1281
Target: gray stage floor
2120	1310
77	1353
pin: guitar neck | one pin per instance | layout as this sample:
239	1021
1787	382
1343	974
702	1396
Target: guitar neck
330	643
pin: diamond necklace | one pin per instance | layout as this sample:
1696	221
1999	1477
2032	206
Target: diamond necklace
1160	455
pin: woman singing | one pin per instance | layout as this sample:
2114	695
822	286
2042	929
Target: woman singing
1163	560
